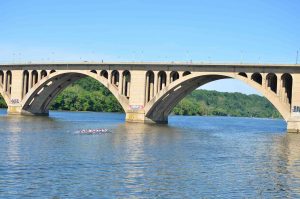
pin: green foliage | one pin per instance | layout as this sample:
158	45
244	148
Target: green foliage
2	103
86	94
89	95
203	102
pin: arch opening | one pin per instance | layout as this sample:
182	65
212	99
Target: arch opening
115	78
185	73
34	78
126	83
74	92
104	74
243	74
94	71
174	76
149	85
43	74
257	78
287	84
1	77
8	82
162	80
3	102
52	71
25	83
158	109
272	82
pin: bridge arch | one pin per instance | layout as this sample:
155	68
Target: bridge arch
104	74
174	75
162	80
115	78
287	84
272	82
158	109
185	73
126	78
34	78
1	77
8	82
43	74
243	74
149	85
39	97
25	88
257	78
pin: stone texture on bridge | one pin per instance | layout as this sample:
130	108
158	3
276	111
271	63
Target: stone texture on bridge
147	91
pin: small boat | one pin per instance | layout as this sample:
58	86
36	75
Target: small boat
94	131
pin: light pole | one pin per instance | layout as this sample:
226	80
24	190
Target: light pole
297	57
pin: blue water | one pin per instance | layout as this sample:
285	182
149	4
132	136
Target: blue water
192	157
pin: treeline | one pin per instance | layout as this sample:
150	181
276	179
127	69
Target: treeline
203	102
2	102
89	95
86	94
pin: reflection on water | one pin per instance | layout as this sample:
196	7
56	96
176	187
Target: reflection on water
134	157
192	157
13	143
292	149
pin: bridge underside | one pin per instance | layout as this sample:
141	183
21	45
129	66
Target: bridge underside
42	99
38	103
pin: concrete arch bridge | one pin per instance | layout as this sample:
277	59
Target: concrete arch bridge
147	91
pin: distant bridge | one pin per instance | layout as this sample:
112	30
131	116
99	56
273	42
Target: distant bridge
147	91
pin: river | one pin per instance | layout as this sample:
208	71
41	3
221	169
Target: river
191	157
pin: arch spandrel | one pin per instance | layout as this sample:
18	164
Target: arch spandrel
50	86
166	99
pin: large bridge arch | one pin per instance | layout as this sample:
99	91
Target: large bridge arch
160	106
38	98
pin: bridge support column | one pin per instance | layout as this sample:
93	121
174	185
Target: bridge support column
15	106
293	126
13	109
139	117
137	100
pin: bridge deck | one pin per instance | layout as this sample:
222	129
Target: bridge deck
194	64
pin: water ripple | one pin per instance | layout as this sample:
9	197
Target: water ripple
192	157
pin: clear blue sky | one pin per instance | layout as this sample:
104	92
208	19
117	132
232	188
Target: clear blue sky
138	30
